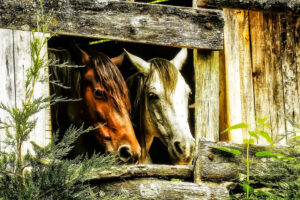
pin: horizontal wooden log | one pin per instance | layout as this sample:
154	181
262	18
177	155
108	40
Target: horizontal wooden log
138	171
288	6
216	165
122	21
163	190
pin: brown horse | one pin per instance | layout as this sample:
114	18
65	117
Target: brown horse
103	103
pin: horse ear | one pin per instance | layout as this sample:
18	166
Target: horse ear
141	65
85	58
118	60
79	54
180	58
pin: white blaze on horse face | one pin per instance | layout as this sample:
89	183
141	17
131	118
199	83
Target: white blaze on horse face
170	118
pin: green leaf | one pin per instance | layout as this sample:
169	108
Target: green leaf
175	180
268	153
253	134
237	126
247	188
261	120
248	141
158	1
266	136
295	138
228	150
98	42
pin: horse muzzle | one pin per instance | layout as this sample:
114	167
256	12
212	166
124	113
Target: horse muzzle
126	154
182	152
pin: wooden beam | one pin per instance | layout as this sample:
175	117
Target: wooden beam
220	166
123	21
288	6
163	190
142	171
206	64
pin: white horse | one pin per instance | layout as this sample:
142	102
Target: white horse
161	106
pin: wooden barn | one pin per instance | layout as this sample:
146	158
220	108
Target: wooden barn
245	57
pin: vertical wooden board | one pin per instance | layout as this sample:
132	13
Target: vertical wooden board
261	85
289	69
247	96
274	75
206	64
223	119
42	132
297	50
232	74
7	86
207	94
23	62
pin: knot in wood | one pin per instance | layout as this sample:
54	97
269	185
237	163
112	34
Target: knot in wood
211	157
208	26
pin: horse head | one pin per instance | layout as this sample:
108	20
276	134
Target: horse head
165	111
105	103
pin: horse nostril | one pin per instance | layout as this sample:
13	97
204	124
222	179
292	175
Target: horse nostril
177	147
125	153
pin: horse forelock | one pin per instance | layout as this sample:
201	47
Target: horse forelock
167	73
111	79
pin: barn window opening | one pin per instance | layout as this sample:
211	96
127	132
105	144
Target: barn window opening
163	123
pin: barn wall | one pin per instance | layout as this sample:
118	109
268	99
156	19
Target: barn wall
262	58
15	59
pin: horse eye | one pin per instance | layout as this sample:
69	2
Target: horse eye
153	96
99	94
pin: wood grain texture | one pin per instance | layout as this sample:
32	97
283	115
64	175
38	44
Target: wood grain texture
220	166
273	68
7	76
260	74
16	62
233	84
158	189
223	119
206	65
289	6
143	171
123	21
289	70
297	50
245	69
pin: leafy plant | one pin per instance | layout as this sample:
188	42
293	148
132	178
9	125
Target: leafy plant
257	133
287	187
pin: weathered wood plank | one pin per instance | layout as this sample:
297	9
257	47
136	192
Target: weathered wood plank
7	85
233	84
124	21
42	132
260	75
247	95
16	58
273	68
206	65
297	50
143	171
223	114
22	62
157	189
221	166
290	6
289	69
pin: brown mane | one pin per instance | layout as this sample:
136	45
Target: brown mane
109	76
